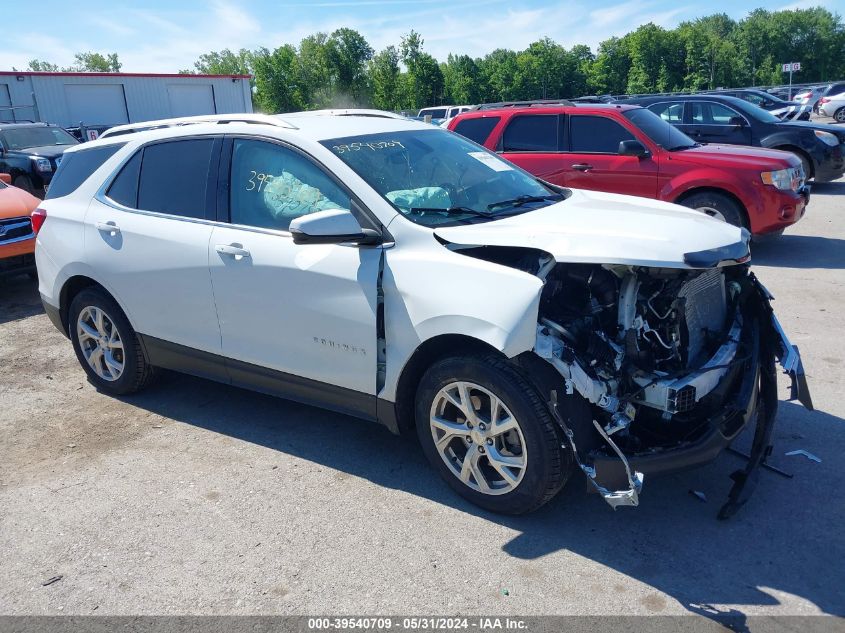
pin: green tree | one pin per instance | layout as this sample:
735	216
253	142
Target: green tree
38	65
424	81
608	73
462	77
278	83
347	54
95	63
384	74
223	62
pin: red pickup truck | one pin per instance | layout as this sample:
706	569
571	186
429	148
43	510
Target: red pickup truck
630	150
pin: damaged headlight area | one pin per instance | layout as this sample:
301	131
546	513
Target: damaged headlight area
674	363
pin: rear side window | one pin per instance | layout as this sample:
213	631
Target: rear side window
76	167
124	188
596	135
711	113
532	133
477	129
175	178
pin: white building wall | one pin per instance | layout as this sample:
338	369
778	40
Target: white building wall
146	97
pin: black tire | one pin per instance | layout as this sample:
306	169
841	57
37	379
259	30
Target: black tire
24	182
137	373
807	166
713	201
547	466
839	115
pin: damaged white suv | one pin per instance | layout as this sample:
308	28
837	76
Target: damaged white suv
397	272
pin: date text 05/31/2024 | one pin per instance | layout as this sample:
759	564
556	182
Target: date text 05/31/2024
417	624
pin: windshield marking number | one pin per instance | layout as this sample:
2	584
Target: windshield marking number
356	147
262	181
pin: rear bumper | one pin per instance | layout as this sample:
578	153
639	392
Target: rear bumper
54	314
17	264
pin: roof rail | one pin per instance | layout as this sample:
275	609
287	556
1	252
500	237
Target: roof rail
524	104
130	128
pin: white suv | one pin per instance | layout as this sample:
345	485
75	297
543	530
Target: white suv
397	272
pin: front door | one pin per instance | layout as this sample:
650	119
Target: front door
295	319
595	163
711	122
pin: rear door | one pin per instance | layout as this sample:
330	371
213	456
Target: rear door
147	238
711	122
594	161
533	141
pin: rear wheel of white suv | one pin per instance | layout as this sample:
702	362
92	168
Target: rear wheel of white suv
489	435
106	345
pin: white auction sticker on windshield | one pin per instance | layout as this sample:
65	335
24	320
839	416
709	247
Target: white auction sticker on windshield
491	161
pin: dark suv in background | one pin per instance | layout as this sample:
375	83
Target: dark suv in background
715	118
31	152
781	108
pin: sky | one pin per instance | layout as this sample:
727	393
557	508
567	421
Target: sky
169	35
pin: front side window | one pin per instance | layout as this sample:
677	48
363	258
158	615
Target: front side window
477	129
175	178
271	185
710	113
29	137
532	133
596	135
434	177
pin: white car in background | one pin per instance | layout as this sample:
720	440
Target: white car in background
393	271
833	106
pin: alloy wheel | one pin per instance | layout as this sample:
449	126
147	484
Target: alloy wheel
100	342
478	438
713	213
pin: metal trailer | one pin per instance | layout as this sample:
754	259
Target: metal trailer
99	100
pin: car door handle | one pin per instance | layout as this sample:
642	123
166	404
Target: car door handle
232	250
582	167
108	227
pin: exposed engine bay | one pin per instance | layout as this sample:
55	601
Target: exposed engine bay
656	352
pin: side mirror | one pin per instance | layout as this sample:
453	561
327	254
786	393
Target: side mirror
7	178
333	226
633	148
737	121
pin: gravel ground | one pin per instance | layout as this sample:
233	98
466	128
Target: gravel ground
197	498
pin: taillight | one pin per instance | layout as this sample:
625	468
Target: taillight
824	100
38	218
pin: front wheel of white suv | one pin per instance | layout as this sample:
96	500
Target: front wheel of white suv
106	345
485	429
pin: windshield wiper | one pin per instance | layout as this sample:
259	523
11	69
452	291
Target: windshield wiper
523	200
450	211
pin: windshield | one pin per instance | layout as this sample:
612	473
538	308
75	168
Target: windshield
664	134
25	137
753	111
434	177
436	113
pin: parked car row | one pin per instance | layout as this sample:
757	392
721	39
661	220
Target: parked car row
628	149
723	119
